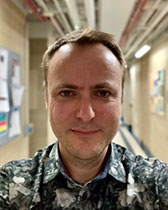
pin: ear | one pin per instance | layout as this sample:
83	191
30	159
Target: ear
46	98
45	94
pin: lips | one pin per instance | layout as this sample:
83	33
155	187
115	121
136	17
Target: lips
84	132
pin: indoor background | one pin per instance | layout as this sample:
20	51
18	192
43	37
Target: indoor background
28	27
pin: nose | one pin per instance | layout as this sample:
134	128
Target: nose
85	110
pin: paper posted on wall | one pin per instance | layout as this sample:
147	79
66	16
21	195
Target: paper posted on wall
17	94
3	64
15	72
4	96
14	123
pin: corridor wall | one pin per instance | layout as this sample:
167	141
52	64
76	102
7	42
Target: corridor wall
14	37
38	112
158	60
148	126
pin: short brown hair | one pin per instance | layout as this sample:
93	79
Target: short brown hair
86	36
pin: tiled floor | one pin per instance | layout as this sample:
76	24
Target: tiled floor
124	138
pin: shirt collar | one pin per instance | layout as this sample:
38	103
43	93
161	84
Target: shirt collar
52	165
116	168
114	165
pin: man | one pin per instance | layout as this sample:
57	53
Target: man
84	75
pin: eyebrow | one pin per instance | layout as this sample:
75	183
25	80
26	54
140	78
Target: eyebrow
75	87
103	85
66	85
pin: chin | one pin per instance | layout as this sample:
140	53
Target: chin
89	152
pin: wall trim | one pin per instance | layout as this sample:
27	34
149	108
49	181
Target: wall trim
139	142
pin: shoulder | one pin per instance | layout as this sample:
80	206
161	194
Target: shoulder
23	166
151	176
19	175
148	175
137	163
151	173
143	170
21	179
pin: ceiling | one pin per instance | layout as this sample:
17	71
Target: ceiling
113	17
133	22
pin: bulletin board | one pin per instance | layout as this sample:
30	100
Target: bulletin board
11	93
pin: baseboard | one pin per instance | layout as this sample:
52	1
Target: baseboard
139	142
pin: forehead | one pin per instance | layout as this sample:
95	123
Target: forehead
74	61
83	53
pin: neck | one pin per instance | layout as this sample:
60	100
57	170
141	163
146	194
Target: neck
83	171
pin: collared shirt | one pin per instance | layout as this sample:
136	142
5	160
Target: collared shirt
128	182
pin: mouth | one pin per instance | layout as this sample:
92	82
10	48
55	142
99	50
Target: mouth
84	132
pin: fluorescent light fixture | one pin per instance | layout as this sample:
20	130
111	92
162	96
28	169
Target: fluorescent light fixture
142	51
77	27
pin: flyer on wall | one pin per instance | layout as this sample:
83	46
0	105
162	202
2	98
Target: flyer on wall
4	95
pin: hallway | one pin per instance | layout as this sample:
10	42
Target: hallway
128	140
34	25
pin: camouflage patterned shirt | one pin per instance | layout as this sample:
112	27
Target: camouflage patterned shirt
128	182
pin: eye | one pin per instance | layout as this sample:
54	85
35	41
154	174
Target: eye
67	93
103	93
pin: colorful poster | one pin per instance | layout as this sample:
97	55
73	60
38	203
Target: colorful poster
3	123
157	92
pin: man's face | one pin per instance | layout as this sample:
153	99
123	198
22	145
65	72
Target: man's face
84	99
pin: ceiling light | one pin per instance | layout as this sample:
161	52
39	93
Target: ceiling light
142	51
77	27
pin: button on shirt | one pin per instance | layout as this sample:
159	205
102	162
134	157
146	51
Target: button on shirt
127	182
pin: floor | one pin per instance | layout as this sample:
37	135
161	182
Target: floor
125	138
